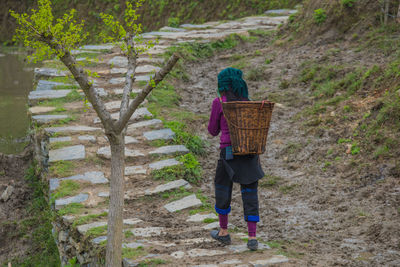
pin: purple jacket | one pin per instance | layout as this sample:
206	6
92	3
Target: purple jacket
218	123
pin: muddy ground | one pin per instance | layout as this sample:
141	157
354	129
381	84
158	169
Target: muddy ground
338	216
14	210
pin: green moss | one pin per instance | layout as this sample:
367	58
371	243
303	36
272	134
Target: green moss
209	220
73	208
152	262
96	231
270	181
62	168
66	188
88	218
133	253
57	145
285	189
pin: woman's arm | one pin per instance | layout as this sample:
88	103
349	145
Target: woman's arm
215	117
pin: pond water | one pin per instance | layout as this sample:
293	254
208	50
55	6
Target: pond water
16	81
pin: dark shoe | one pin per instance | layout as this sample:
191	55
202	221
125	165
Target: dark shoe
226	239
252	244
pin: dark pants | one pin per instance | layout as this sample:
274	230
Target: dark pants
223	197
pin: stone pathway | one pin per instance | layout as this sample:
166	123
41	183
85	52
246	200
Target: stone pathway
77	143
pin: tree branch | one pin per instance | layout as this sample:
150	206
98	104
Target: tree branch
158	77
130	75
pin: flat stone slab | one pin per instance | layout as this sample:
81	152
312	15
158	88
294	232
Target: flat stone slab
69	200
113	105
90	138
268	262
281	12
48	118
231	262
164	150
72	129
184	203
119	61
67	153
60	139
48	72
164	134
132	170
201	217
140	113
49	85
132	221
39	110
99	239
94	177
166	187
142	124
101	91
243	247
199	252
147	232
105	152
164	35
132	245
130	140
98	47
86	227
158	165
194	26
48	94
171	29
193	241
121	91
138	78
104	194
215	225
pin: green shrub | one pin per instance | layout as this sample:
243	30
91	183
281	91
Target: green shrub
320	16
194	143
173	22
348	3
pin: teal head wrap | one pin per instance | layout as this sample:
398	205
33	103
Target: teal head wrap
230	79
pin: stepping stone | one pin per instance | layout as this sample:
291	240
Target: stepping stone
243	247
171	29
98	47
104	194
268	262
129	263
142	124
194	26
75	199
99	239
184	203
47	72
138	78
178	254
39	110
89	138
164	134
94	177
119	80
113	105
201	217
131	170
132	221
147	232
67	153
60	139
164	35
147	69
86	227
41	119
71	129
48	85
105	152
119	71
199	252
130	140
165	150
166	187
162	244
81	51
140	113
215	225
119	61
164	163
231	262
195	241
101	91
121	91
281	12
48	94
132	245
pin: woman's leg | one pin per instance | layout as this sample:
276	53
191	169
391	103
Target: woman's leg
223	197
250	206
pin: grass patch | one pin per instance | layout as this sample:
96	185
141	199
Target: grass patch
57	145
133	253
88	218
286	189
62	168
209	220
96	231
66	188
73	208
58	103
270	181
193	142
152	262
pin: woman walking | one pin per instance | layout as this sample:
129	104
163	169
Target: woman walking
245	170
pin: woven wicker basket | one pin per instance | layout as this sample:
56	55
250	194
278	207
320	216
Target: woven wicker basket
248	123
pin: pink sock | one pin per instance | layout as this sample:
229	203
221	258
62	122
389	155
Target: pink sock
252	228
223	221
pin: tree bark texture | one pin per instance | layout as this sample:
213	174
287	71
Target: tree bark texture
387	4
115	213
398	15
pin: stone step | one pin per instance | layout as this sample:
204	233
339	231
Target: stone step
67	153
42	119
121	91
158	165
201	217
132	170
167	187
94	177
140	113
90	138
122	62
147	231
143	69
60	139
40	110
166	150
98	47
243	247
215	225
270	261
86	227
105	152
44	85
184	203
48	94
72	129
81	51
134	126
197	252
121	80
164	134
48	72
69	200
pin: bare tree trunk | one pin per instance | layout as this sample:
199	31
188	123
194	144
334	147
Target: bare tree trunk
387	4
398	15
115	213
